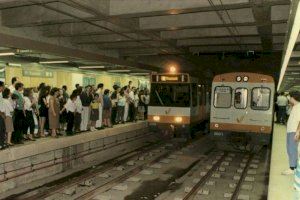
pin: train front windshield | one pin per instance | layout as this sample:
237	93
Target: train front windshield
170	95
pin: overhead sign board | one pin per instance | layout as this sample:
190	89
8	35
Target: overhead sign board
37	73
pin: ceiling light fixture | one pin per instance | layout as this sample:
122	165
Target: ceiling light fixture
54	62
14	64
7	54
174	12
91	67
119	70
139	73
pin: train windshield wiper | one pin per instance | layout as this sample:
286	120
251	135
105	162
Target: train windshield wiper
161	102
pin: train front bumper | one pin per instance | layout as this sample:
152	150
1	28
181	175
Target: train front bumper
154	126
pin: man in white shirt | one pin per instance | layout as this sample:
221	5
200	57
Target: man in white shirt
293	132
100	93
86	98
71	108
14	80
131	104
282	103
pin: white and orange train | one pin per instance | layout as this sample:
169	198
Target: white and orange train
242	108
178	102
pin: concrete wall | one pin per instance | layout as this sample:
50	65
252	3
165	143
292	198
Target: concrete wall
48	157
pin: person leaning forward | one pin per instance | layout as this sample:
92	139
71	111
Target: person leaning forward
293	132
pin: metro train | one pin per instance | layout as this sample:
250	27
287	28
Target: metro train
242	107
178	104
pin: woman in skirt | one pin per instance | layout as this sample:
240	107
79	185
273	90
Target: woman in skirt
8	110
53	112
94	112
63	115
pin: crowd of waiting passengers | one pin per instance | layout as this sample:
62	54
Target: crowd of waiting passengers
30	113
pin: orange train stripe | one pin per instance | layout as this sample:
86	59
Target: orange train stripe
240	128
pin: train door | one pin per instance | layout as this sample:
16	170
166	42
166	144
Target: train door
195	100
240	103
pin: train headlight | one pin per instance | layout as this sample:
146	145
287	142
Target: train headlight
156	118
178	119
216	125
172	69
238	79
246	78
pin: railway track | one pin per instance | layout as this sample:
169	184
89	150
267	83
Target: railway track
86	184
42	193
103	187
216	168
230	176
213	175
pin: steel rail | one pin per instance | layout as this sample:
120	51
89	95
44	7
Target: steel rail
90	194
238	187
202	181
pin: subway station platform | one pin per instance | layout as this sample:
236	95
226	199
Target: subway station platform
33	164
280	187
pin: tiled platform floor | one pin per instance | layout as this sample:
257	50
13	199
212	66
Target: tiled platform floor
280	187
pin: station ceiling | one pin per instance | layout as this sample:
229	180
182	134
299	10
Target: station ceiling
151	27
142	30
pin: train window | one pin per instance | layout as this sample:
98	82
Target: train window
194	95
222	97
260	99
172	95
240	98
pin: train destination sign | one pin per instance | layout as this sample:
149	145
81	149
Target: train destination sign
170	78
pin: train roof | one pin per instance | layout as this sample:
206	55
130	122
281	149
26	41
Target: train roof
252	77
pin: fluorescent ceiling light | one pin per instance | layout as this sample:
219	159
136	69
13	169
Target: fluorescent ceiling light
54	62
14	64
295	73
119	70
139	73
290	78
91	67
7	54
